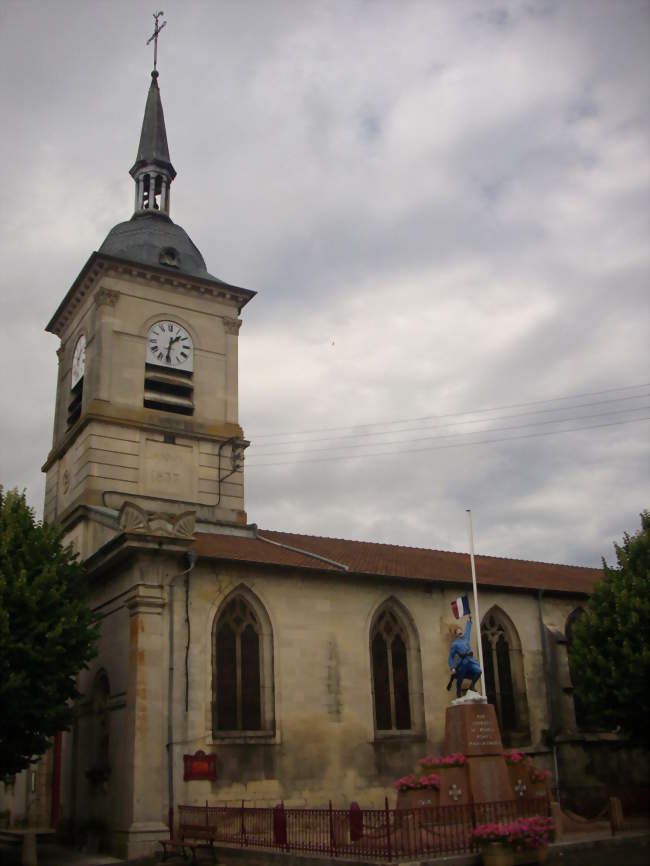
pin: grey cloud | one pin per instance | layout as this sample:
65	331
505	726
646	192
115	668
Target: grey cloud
455	195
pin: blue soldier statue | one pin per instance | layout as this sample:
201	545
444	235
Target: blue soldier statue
466	668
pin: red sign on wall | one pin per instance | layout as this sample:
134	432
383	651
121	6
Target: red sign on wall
200	766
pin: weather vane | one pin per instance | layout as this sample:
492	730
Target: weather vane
154	37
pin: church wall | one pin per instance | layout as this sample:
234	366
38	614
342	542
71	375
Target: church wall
325	745
322	744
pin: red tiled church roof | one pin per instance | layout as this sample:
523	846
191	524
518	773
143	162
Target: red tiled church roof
393	561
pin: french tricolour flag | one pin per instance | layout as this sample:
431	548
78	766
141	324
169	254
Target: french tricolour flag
460	607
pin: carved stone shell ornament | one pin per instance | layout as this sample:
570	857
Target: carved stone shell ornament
132	518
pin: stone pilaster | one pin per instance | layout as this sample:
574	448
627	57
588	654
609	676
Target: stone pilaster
146	713
100	355
231	330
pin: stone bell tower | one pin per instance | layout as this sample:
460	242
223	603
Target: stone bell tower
146	422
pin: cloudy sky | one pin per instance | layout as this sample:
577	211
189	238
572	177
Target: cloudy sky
444	207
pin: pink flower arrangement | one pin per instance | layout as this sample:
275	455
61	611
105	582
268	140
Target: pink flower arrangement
535	774
416	783
522	834
538	775
434	761
516	758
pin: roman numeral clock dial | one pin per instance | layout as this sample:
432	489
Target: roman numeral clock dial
169	345
78	361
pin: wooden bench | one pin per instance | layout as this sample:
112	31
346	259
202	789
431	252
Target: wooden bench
191	837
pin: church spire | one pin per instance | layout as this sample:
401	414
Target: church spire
152	170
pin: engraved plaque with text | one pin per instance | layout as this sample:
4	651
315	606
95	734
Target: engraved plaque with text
472	730
169	470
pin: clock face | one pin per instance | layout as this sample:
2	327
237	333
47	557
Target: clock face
169	345
78	361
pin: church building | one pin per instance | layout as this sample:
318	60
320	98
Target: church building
305	668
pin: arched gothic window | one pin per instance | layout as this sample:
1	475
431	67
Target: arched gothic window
503	676
396	675
242	667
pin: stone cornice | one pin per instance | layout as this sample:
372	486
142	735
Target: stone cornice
99	265
76	295
125	545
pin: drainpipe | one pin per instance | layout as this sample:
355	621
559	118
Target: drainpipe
549	699
191	556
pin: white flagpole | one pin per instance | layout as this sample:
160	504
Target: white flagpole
477	615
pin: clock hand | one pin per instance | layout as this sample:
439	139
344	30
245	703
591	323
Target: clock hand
169	347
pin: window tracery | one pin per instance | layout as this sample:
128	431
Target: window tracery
395	670
242	668
504	676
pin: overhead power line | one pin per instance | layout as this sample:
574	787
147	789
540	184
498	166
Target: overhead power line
449	445
619	389
373	434
547	422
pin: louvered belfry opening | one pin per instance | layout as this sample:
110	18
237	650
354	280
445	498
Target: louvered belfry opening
74	406
168	390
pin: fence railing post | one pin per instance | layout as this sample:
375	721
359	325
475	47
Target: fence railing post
407	835
388	840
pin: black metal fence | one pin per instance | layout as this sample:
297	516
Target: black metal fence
382	834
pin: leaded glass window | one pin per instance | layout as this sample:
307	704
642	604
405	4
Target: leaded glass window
238	705
390	673
503	676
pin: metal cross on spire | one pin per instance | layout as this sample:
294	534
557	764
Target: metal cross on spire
154	37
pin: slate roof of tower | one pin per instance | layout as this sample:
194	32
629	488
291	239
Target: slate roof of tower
393	561
145	237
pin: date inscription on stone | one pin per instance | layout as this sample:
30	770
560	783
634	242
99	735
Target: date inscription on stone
169	470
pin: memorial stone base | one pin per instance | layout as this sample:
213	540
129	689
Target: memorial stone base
472	730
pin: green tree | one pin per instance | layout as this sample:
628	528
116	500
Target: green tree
610	648
47	633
